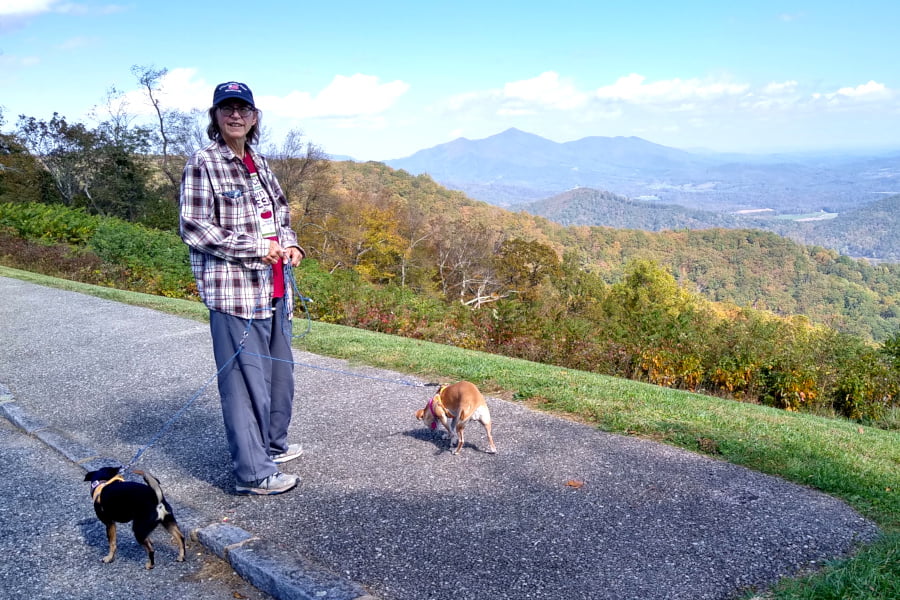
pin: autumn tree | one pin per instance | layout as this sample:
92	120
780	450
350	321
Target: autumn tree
172	130
62	149
101	169
464	250
657	323
306	177
522	266
380	246
23	179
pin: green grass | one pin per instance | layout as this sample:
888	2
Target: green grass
858	464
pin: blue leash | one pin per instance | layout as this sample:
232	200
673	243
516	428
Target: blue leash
168	424
289	278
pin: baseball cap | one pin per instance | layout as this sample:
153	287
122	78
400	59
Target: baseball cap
232	89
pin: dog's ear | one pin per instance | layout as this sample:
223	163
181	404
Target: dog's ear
420	414
90	476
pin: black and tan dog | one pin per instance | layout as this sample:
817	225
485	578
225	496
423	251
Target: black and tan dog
120	501
454	406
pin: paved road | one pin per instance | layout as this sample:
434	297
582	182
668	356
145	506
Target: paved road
383	508
51	542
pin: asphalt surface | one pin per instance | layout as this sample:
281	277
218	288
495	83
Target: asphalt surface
51	542
563	511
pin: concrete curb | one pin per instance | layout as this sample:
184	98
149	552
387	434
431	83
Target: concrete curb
259	562
268	568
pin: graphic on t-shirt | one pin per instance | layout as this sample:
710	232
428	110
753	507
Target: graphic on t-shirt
263	208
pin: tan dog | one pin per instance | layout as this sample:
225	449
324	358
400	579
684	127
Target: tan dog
461	402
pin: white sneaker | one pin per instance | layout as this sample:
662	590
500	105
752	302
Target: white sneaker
293	451
276	483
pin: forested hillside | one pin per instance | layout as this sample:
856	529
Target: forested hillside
712	310
865	232
748	268
872	230
586	206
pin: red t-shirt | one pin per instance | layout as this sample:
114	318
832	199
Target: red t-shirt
277	269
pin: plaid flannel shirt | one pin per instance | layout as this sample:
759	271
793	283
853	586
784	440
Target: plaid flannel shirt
218	221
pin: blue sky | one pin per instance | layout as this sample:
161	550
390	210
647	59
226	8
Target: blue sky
381	80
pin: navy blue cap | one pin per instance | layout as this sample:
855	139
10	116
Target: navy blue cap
232	89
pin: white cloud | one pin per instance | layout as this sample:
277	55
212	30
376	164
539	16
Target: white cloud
111	9
16	14
777	88
345	97
353	101
21	8
526	97
70	8
549	98
461	101
718	111
866	92
632	88
178	89
546	90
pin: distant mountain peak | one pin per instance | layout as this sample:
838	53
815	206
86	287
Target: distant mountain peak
517	136
512	131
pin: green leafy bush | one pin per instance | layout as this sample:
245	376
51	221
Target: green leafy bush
156	260
52	223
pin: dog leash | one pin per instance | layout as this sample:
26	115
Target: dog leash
168	424
289	276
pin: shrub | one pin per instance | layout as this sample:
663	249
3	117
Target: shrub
156	260
52	223
866	387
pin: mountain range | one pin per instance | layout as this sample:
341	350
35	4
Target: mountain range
515	167
837	201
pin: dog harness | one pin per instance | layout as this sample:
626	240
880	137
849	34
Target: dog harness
430	405
98	486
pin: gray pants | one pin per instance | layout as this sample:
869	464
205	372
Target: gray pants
257	392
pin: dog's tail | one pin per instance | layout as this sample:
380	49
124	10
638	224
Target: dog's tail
162	508
153	482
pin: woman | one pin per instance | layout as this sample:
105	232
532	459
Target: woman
236	221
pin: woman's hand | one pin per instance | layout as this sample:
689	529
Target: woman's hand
293	254
276	252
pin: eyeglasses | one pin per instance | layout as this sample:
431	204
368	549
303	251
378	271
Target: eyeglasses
227	111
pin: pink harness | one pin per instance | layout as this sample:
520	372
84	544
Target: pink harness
430	407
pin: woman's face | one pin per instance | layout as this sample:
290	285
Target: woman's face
233	124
